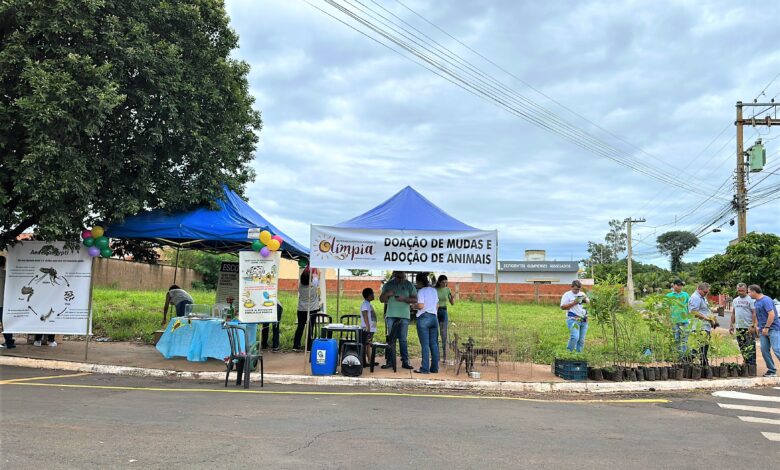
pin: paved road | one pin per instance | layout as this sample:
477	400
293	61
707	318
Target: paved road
93	421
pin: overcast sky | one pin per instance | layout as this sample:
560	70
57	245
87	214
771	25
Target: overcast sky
348	122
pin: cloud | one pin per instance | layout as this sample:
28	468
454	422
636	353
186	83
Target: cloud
347	122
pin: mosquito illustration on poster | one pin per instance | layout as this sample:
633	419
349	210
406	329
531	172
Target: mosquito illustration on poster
51	273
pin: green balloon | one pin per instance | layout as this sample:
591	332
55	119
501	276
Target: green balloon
303	262
257	245
88	242
101	242
106	252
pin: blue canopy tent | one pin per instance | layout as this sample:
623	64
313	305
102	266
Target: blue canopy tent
380	237
406	210
232	226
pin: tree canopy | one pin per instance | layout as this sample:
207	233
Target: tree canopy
675	244
110	108
754	260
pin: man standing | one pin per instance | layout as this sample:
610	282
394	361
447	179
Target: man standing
743	320
398	294
769	324
703	318
681	322
573	302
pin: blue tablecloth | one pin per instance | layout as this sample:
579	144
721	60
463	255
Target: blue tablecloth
198	340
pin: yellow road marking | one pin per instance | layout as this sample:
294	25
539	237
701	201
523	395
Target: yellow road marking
344	394
13	381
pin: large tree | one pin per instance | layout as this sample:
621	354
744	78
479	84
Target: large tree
108	108
675	244
617	238
600	253
754	260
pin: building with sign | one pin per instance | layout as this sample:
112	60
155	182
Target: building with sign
534	270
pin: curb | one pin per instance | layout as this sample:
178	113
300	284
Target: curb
421	384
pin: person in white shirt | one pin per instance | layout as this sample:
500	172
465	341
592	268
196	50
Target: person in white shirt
744	322
427	324
573	303
368	321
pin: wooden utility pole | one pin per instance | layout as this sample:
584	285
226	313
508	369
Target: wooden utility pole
740	199
630	281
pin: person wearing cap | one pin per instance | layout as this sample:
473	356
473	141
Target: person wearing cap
573	303
744	322
681	321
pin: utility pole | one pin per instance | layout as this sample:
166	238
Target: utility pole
630	281
740	199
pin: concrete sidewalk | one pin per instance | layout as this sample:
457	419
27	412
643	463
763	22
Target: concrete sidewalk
136	359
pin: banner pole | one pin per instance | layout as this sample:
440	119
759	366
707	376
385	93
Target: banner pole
89	309
498	299
338	293
308	318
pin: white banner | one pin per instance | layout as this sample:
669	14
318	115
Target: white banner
404	250
258	285
227	284
47	289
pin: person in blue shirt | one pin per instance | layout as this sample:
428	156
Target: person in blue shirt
769	327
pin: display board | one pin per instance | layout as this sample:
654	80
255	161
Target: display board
228	283
472	251
47	289
258	286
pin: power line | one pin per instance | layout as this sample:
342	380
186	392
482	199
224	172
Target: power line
488	90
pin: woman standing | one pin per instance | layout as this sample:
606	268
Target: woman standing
445	295
427	325
308	301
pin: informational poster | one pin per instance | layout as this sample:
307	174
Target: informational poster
472	251
227	284
258	286
47	289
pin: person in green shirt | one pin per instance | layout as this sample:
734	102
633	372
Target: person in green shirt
681	319
445	296
398	294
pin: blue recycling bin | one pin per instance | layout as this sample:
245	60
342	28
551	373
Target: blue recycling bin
324	356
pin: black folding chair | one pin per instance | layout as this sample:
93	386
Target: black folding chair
318	321
348	336
245	358
387	346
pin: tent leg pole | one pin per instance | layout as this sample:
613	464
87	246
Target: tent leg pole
482	300
176	269
338	294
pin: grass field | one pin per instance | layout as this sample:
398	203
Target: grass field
530	332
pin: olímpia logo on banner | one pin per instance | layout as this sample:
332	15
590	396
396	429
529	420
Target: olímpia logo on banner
342	250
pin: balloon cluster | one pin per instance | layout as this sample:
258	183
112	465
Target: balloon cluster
267	243
96	243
